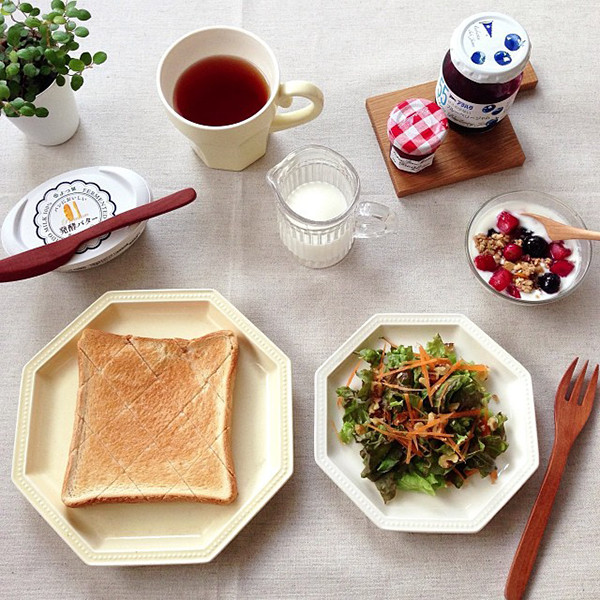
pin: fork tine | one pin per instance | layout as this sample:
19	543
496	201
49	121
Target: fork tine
566	379
578	384
590	392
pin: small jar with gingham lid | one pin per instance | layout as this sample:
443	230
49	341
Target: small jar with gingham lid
416	128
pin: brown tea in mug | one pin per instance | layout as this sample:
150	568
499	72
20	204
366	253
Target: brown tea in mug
220	90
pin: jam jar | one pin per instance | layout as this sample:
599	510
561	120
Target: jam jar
416	127
482	72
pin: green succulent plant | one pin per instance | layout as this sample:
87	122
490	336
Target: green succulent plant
37	49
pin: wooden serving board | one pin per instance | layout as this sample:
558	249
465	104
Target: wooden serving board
460	156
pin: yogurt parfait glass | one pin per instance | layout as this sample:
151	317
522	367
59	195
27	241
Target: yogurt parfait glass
318	208
561	267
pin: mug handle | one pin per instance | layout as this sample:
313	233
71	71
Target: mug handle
287	91
374	220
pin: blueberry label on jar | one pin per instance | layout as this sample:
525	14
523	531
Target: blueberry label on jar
502	57
469	114
513	41
478	57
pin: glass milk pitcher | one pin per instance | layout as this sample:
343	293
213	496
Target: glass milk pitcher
319	214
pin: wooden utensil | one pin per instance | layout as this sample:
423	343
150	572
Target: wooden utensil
570	415
51	256
560	231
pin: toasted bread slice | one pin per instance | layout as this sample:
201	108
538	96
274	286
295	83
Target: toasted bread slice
153	420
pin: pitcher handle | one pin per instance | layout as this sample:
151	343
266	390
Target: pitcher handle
287	91
374	220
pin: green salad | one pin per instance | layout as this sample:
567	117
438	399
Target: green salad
422	418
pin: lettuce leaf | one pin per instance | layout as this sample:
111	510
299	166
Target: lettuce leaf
373	357
413	482
437	348
397	356
346	432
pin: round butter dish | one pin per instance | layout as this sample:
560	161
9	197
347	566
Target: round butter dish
72	202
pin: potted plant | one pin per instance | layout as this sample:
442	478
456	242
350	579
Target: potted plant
37	61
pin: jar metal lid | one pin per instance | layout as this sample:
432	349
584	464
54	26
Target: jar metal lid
72	202
490	48
417	126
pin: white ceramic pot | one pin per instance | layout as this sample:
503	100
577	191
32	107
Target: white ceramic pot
62	122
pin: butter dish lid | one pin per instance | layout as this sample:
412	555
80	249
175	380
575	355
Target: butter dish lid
490	48
71	202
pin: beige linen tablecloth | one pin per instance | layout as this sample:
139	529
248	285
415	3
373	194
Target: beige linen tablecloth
311	541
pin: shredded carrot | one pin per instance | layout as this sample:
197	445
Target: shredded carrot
337	433
494	475
465	444
470	472
400	387
408	405
458	366
413	364
448	416
354	372
459	474
424	358
455	448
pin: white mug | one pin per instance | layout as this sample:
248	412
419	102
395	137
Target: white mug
234	147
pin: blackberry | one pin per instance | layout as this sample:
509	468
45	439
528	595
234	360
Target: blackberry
491	232
521	233
535	246
549	283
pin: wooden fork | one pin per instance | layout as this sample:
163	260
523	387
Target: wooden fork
570	415
560	231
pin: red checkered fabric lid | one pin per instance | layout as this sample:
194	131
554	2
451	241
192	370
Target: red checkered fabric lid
417	126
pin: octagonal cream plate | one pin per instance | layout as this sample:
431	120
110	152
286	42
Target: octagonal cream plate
141	534
465	510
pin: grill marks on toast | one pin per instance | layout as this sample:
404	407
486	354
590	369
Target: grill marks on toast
154	451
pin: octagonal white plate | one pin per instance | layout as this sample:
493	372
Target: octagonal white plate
162	533
465	510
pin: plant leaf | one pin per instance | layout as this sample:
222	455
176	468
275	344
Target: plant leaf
60	36
26	111
81	31
76	65
99	58
41	112
76	82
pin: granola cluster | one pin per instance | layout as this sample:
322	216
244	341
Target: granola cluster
493	244
525	272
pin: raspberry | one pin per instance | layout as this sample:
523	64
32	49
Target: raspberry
513	252
558	251
506	222
501	279
513	291
562	267
485	262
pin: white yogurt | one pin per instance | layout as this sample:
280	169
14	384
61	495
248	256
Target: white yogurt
487	221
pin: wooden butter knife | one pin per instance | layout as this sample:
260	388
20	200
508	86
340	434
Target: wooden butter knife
51	256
